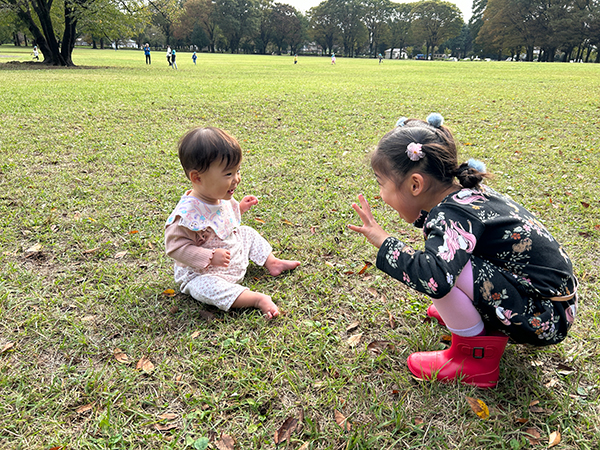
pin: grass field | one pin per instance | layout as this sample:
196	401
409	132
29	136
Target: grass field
89	174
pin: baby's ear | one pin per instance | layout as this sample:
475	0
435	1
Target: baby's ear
194	176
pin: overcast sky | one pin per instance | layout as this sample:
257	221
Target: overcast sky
305	5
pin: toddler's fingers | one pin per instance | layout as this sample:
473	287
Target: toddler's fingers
364	203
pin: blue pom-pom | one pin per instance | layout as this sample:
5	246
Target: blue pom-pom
477	165
400	122
435	120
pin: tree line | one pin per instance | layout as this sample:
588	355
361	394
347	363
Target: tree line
526	29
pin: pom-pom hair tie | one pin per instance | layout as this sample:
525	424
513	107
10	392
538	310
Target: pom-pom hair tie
435	120
477	165
400	122
414	151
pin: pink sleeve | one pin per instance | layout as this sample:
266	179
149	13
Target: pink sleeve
181	245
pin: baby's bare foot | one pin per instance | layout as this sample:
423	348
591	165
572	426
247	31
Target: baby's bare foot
276	266
266	305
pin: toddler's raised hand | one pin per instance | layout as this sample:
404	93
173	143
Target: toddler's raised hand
221	258
248	202
370	229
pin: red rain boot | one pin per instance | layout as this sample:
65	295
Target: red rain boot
473	360
433	312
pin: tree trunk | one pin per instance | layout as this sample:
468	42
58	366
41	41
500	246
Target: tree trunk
68	41
589	52
16	39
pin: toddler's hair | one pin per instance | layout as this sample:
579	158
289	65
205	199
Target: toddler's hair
440	159
200	147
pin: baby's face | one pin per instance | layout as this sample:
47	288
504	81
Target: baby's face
217	183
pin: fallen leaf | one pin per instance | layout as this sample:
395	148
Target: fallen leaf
226	443
178	378
533	402
169	292
353	326
521	420
551	383
418	421
34	249
208	316
533	435
85	408
304	446
478	407
120	254
120	356
327	263
259	220
585	204
165	427
446	338
287	222
354	340
168	416
134	232
373	292
378	347
365	267
313	230
60	447
195	334
554	439
341	420
91	250
392	320
7	347
285	430
145	365
377	197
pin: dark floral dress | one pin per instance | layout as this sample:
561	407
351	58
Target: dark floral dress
524	281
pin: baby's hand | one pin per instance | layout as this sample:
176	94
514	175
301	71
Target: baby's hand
221	258
248	202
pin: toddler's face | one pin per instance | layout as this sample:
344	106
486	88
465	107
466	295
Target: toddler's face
399	197
217	183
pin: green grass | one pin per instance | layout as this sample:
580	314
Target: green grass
88	170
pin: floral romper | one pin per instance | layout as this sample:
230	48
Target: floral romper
524	283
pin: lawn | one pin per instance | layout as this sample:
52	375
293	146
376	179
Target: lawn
89	173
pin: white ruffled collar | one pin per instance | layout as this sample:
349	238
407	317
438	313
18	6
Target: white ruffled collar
196	215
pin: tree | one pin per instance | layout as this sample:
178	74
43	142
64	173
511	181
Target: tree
287	26
264	32
323	25
375	15
348	15
165	15
237	19
435	21
399	23
43	18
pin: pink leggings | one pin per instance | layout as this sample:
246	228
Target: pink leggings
456	308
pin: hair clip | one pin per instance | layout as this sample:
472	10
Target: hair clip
476	164
414	152
400	122
435	120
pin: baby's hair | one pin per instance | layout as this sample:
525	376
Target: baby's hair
200	147
437	158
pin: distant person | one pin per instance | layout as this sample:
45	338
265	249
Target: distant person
204	234
380	58
194	58
296	59
169	54
147	53
333	58
173	63
36	53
